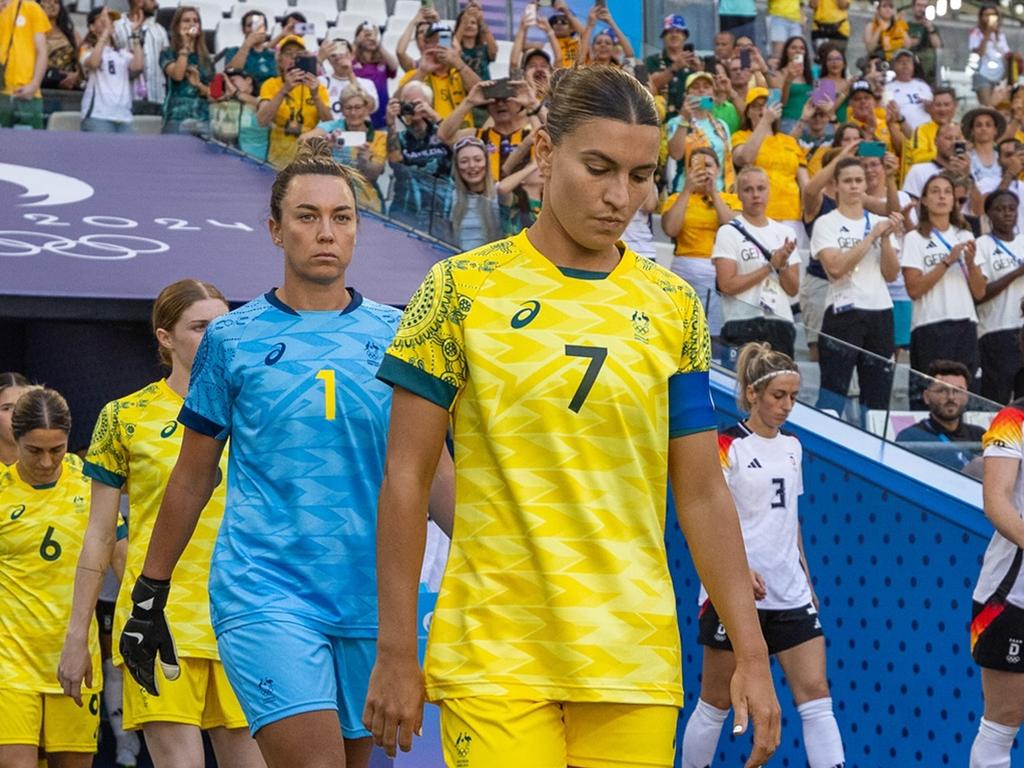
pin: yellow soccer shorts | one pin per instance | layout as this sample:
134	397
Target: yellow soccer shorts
201	696
492	732
49	720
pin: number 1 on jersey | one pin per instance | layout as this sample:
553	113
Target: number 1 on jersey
327	376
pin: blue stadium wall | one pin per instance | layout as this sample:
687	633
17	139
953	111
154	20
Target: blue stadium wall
894	544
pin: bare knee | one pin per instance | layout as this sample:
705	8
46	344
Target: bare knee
811	691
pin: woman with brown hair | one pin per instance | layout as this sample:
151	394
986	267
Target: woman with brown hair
11	386
188	68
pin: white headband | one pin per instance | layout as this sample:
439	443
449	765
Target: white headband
772	375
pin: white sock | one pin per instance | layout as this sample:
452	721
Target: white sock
992	745
700	739
822	742
127	742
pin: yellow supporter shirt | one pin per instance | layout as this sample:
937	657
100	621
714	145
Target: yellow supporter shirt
21	62
700	224
41	535
569	47
559	384
781	156
298	106
881	132
448	90
920	147
787	9
135	445
829	12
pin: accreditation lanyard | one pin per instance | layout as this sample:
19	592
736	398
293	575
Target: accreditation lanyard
936	233
1002	247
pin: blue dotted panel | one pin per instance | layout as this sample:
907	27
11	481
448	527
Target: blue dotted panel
895	587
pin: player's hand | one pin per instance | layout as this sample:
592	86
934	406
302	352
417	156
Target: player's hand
75	666
757	582
146	634
394	702
753	698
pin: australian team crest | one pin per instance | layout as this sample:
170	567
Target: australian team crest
374	353
641	326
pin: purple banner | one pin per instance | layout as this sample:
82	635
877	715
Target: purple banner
85	215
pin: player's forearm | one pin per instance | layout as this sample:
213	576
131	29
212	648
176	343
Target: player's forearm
88	581
188	492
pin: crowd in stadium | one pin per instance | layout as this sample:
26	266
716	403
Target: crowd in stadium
855	198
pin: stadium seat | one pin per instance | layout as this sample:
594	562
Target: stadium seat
327	7
229	34
270	11
209	12
504	52
499	68
65	121
405	9
373	10
347	22
149	124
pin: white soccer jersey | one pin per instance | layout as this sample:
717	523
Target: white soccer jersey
766	480
998	574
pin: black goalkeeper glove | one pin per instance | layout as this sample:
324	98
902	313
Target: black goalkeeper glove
146	633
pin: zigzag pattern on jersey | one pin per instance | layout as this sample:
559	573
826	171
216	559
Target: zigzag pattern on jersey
136	442
298	536
557	585
41	535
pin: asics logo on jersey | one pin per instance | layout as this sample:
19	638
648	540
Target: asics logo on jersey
755	464
169	429
525	316
17	511
275	354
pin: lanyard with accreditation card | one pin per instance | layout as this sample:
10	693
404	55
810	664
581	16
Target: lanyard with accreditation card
1002	247
936	233
842	300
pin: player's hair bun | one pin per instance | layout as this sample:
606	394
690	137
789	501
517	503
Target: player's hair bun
315	148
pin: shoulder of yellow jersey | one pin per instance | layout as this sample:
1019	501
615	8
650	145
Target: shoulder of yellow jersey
696	352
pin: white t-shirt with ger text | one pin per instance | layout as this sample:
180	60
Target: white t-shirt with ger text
997	259
108	92
766	299
863	287
950	298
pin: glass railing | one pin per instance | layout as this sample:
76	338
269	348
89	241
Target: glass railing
930	417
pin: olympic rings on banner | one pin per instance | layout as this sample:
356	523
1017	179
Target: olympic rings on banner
103	246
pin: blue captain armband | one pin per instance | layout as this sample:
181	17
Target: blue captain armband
690	408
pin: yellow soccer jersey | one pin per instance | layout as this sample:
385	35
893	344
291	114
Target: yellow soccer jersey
565	387
136	441
41	534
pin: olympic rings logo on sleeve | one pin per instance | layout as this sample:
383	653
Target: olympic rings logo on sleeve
103	246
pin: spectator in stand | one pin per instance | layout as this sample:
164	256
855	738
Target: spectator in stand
1001	253
726	97
878	124
742	79
944	278
794	79
479	206
762	143
814	130
963	187
725	47
339	56
946	398
445	72
923	39
234	116
950	155
738	17
12	386
886	33
856	249
420	161
291	103
696	126
474	41
981	127
832	61
911	94
509	122
149	86
670	69
1015	127
692	218
370	156
785	20
537	71
609	46
414	31
374	63
254	55
189	71
107	103
989	42
830	24
569	32
638	235
62	43
757	269
920	147
569	43
23	29
1011	162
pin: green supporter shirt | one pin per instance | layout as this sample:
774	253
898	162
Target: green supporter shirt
727	113
656	62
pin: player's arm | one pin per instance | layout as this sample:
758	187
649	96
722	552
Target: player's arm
997	491
394	702
709	521
442	494
97	547
189	488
